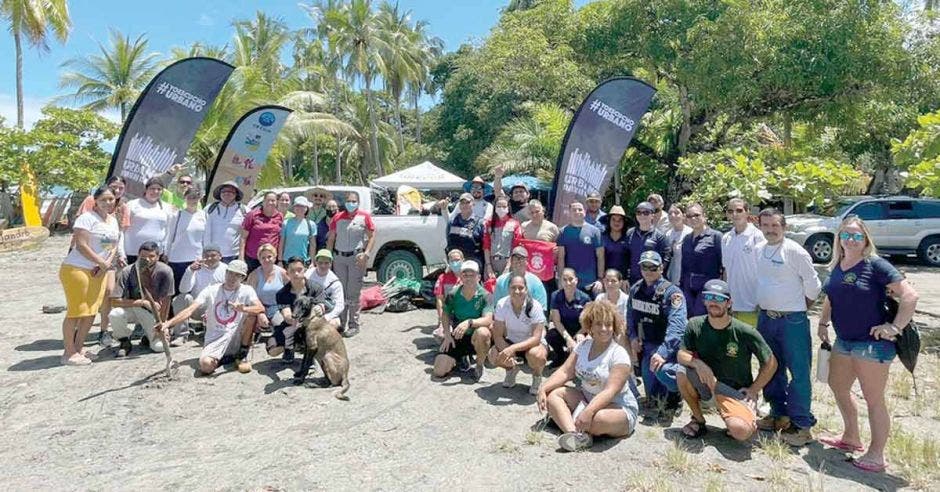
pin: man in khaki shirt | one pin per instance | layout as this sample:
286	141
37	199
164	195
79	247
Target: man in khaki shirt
539	227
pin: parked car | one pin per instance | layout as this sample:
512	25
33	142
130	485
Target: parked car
900	225
404	244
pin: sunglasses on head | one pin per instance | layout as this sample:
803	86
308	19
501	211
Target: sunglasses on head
647	267
714	298
854	236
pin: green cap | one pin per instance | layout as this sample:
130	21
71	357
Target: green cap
325	253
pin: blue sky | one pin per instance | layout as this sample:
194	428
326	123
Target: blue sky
170	23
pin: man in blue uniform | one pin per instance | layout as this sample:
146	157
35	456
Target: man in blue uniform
645	237
656	322
465	231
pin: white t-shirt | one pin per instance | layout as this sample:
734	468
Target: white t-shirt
622	302
519	328
334	290
593	373
104	236
675	241
195	281
738	256
148	223
185	234
785	277
223	227
220	317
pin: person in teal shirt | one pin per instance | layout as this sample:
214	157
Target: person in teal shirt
299	235
517	266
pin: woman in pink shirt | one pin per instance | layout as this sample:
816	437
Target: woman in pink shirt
261	226
501	233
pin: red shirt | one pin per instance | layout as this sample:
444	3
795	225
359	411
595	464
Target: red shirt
509	231
261	230
445	283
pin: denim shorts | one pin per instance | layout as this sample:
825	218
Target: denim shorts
881	351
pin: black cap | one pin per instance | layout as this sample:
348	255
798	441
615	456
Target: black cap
718	288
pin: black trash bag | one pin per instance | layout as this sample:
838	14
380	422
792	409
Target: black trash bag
399	304
908	342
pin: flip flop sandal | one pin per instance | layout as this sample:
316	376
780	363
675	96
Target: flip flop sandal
700	429
837	443
869	466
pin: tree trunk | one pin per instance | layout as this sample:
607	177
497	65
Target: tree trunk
17	41
123	113
375	128
401	131
339	161
316	160
417	94
685	132
787	130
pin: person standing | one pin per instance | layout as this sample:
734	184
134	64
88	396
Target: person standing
149	219
466	231
580	248
224	219
299	234
185	235
480	208
261	226
614	239
541	229
130	303
593	213
660	216
656	321
518	195
738	257
351	237
787	285
701	259
715	358
444	284
674	236
644	237
317	213
500	235
864	348
284	205
83	273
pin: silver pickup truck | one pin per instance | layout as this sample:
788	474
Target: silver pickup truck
404	244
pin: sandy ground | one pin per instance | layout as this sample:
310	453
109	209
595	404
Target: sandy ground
118	425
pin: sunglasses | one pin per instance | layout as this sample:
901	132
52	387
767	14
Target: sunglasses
854	236
735	211
714	298
227	190
649	268
644	212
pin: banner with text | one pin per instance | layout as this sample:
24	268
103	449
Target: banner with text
597	137
161	125
246	148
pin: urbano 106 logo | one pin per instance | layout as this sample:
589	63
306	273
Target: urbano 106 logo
267	118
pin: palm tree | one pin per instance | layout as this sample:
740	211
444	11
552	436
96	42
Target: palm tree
258	44
430	49
114	77
402	57
34	19
308	122
199	49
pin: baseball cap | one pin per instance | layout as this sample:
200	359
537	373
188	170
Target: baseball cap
211	247
594	196
477	179
302	201
238	266
718	288
651	257
470	265
645	206
519	185
520	251
466	197
324	253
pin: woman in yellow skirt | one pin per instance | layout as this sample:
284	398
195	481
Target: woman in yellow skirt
97	240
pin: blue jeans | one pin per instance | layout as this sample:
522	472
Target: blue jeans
789	338
663	381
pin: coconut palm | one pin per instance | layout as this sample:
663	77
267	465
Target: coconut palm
258	44
114	77
199	49
308	122
34	19
430	49
402	55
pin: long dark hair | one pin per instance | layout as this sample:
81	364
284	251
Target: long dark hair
528	295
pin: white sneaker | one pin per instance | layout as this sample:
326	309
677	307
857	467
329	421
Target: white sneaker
575	441
510	380
536	383
156	346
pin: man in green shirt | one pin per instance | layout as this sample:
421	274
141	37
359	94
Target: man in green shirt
715	358
468	315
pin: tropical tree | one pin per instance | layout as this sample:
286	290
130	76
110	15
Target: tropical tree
114	77
33	19
258	44
307	123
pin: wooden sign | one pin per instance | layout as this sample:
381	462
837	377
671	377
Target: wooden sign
19	238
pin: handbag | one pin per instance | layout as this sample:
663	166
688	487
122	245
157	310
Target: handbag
907	343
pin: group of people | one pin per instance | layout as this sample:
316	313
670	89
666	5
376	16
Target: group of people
669	304
163	262
684	306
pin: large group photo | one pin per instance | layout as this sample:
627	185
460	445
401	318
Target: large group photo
510	245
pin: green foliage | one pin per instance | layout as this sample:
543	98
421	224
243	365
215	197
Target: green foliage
530	143
920	154
62	149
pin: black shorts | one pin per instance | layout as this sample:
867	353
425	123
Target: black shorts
461	347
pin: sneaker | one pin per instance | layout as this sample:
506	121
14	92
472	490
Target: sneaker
157	346
124	347
510	380
774	424
105	339
243	366
797	437
77	360
575	441
350	332
536	384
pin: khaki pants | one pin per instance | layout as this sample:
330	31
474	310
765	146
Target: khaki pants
350	276
123	320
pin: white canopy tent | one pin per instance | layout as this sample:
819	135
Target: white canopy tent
424	176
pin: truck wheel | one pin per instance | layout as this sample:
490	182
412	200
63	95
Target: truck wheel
819	247
399	263
929	251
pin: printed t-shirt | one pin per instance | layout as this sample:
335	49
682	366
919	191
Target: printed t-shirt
103	237
593	373
726	352
857	297
461	309
221	318
581	245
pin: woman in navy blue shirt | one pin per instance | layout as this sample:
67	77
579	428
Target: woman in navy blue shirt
864	346
566	306
701	259
614	239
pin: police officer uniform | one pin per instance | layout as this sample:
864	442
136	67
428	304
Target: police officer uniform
656	316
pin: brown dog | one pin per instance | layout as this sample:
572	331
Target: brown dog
324	344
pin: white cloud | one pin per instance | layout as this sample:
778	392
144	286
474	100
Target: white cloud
32	109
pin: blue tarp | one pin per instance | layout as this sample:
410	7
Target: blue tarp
531	182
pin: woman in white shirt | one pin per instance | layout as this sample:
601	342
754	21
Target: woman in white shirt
185	235
149	218
97	239
224	220
519	335
674	236
602	404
